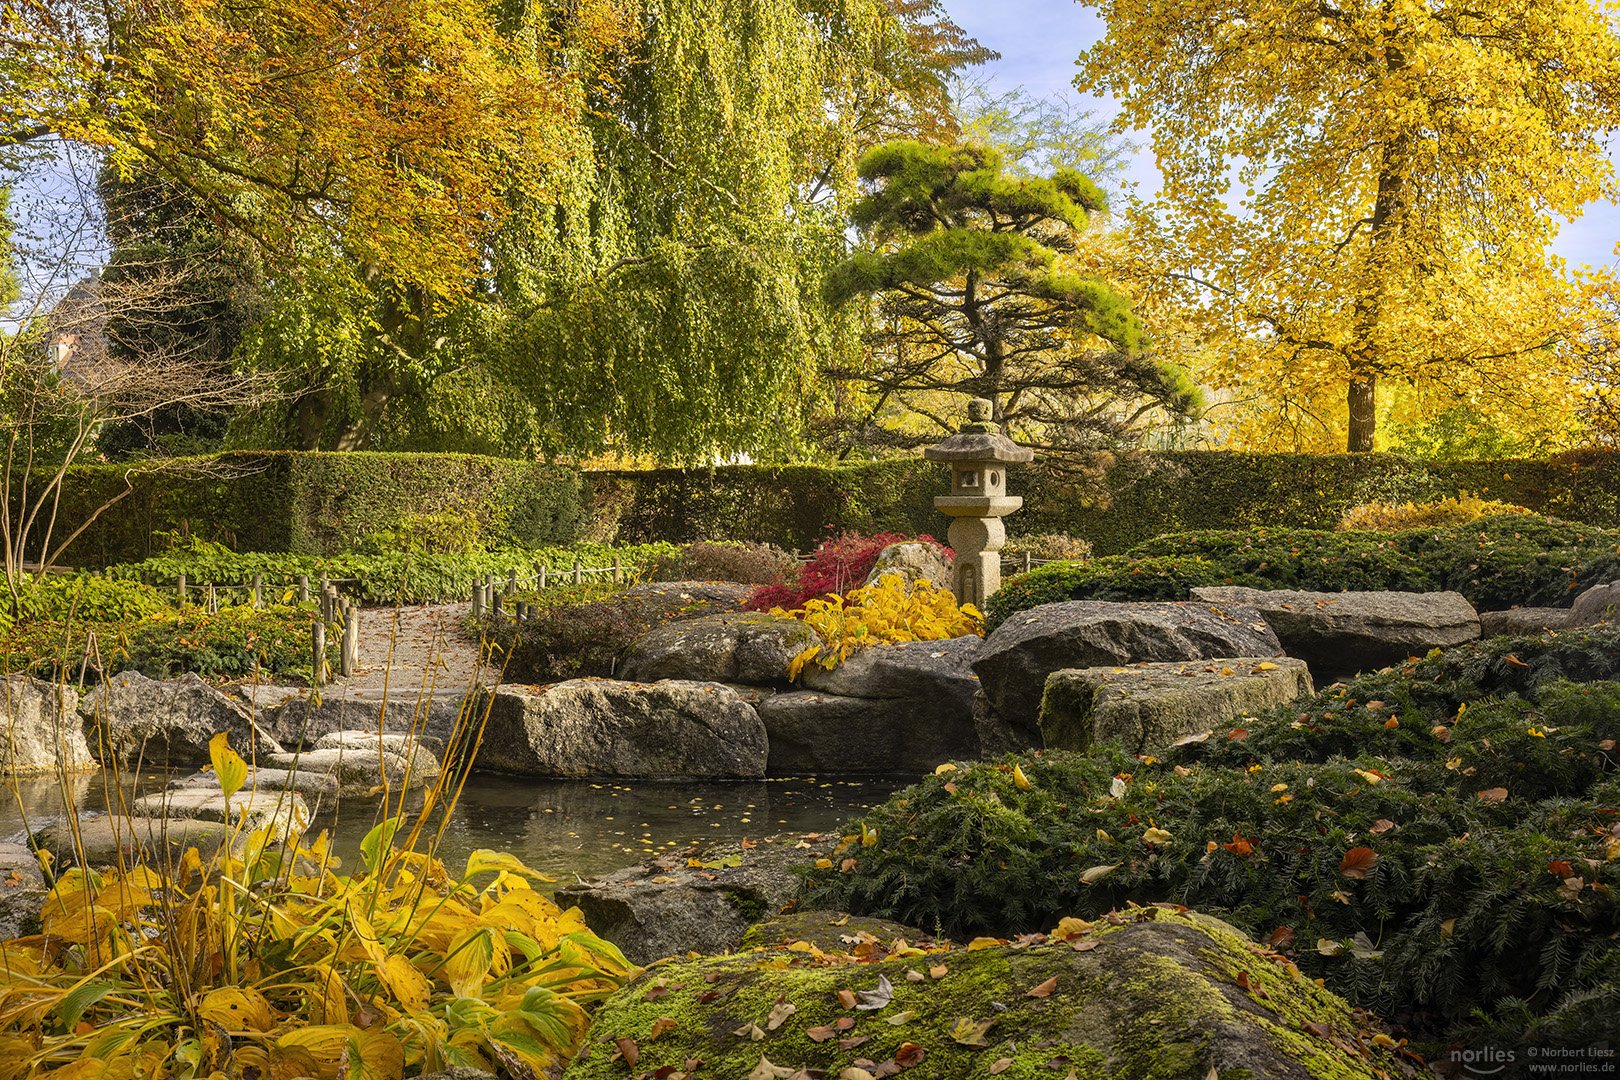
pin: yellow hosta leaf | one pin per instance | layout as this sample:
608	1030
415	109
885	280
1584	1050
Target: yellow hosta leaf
484	860
408	985
236	1009
471	959
373	1055
229	768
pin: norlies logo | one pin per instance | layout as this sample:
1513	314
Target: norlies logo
1486	1061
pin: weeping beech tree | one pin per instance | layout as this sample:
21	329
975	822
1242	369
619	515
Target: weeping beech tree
977	295
666	299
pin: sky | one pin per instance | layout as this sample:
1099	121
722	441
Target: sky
1039	41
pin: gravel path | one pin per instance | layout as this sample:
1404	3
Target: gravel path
402	647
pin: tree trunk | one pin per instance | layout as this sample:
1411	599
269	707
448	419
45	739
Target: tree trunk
1363	412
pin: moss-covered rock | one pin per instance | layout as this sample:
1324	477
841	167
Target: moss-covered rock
1153	993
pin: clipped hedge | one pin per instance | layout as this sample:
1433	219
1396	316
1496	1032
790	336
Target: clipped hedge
325	503
318	503
1114	503
1496	563
392	577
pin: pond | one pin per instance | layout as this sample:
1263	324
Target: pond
561	827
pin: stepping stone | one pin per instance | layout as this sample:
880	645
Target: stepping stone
283	812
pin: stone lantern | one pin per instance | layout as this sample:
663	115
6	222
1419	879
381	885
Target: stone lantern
978	456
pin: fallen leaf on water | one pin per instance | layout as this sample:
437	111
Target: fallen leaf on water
877	998
1357	862
1044	989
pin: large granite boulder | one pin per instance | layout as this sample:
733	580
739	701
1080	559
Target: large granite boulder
1340	634
912	561
922	670
298	716
1029	646
167	722
741	647
602	727
670	906
1150	993
1149	706
40	733
811	732
1598	604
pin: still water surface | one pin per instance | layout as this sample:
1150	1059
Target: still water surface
561	827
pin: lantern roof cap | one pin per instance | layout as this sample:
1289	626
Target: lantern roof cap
979	440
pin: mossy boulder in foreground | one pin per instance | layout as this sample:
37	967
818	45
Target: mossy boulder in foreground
1151	993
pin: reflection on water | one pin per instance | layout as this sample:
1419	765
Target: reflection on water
562	827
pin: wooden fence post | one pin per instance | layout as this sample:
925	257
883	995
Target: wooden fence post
180	587
495	603
541	584
349	657
318	639
618	571
1027	558
511	581
213	599
477	599
258	590
579	572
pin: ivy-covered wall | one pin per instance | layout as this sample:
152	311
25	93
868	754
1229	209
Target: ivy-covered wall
324	503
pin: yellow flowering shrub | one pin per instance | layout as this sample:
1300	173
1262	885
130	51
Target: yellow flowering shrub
1387	517
886	613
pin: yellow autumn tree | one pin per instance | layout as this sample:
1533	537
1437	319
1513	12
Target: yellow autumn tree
1361	193
385	136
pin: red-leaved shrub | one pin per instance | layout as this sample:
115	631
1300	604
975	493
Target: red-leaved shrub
841	563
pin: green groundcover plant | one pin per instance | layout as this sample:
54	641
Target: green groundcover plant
1439	843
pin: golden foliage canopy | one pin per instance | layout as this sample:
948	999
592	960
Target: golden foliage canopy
1365	190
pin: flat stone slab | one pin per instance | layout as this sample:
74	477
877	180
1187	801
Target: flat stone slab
604	727
310	785
298	716
106	841
357	771
283	812
1147	707
1348	632
1021	652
